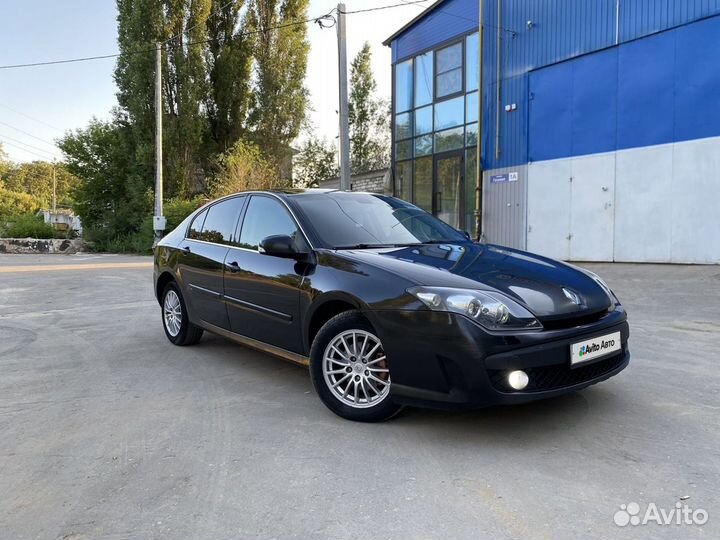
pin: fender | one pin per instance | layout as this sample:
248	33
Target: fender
321	300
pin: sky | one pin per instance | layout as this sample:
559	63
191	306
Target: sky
39	104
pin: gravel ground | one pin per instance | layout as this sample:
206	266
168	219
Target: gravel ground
110	432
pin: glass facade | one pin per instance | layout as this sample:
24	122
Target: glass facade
435	130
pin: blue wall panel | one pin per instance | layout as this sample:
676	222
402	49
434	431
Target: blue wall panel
594	103
452	18
573	110
566	30
642	17
551	118
646	92
697	80
657	90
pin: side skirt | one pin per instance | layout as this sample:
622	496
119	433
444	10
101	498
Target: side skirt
258	345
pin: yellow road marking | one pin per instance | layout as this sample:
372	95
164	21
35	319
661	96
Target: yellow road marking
65	267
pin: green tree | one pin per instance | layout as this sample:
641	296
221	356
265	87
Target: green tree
110	200
14	204
229	63
4	165
281	52
316	161
36	179
182	26
368	117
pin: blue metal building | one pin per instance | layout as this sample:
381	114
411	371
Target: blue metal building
601	124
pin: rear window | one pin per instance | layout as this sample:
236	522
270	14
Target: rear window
197	224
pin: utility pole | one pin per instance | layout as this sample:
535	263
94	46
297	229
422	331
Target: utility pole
158	218
54	200
478	156
343	87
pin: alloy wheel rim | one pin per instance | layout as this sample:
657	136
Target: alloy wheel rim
355	369
172	313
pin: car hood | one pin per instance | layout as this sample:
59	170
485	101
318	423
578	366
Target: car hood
548	288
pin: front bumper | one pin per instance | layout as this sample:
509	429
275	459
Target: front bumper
446	360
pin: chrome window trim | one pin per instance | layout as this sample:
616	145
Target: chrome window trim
247	194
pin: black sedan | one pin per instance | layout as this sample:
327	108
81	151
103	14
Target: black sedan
387	304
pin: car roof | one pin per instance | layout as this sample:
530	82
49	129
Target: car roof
299	192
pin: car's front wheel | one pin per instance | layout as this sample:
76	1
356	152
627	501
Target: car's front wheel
178	328
350	371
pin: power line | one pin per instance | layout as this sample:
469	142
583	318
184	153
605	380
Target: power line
379	8
30	117
29	134
53	62
26	150
26	144
152	50
462	17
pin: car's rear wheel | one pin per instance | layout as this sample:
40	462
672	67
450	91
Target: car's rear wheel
350	371
178	328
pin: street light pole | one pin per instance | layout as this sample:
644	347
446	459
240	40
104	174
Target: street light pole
478	153
344	108
158	218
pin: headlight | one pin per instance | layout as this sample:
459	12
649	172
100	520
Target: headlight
491	309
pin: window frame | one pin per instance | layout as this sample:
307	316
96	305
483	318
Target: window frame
202	210
287	209
411	61
206	210
457	41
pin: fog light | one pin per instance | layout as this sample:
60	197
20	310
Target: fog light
517	379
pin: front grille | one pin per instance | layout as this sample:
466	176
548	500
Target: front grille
556	376
571	321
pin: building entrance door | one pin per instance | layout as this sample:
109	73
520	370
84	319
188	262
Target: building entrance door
448	189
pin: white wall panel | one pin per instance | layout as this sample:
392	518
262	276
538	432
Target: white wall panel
694	201
642	204
660	205
591	201
548	208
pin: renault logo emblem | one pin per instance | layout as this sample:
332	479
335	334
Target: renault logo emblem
571	295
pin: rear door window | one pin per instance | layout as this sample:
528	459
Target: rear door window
219	223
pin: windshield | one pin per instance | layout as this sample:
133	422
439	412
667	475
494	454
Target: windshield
346	220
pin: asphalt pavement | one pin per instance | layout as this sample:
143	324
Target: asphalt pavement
107	431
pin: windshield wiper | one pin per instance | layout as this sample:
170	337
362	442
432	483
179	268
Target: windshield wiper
404	244
370	246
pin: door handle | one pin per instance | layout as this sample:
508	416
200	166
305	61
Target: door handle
233	267
438	201
186	250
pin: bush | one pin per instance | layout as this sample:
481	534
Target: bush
140	242
243	167
28	226
176	210
13	203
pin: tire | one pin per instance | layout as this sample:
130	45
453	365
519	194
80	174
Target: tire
178	328
349	370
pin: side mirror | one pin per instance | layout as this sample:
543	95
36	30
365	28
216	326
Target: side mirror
279	245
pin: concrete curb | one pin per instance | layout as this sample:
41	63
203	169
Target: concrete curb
35	245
